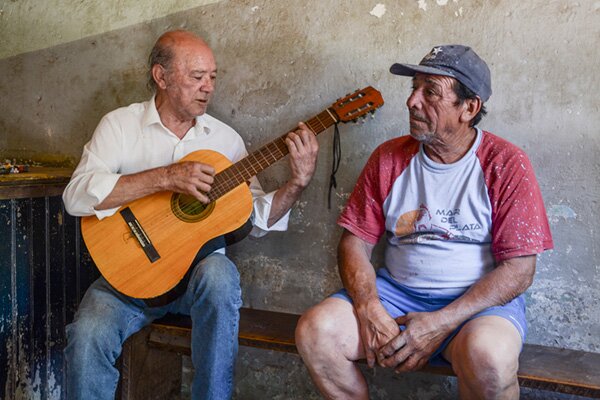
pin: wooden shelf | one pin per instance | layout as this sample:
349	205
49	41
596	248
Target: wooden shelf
38	182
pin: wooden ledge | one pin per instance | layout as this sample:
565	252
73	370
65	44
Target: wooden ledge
38	182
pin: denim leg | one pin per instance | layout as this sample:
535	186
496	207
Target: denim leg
213	300
104	320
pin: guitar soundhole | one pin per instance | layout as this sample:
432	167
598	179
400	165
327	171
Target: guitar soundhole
188	209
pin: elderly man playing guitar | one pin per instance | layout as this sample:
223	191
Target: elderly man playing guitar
133	154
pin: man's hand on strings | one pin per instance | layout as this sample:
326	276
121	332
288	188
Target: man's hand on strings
189	177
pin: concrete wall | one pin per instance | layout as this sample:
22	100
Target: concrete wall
280	62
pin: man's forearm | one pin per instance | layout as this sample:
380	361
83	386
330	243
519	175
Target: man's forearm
283	199
189	177
132	187
508	280
356	271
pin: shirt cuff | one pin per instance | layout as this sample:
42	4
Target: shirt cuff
262	209
99	187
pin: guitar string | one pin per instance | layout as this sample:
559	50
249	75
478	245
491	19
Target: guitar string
227	183
276	149
223	185
220	189
226	186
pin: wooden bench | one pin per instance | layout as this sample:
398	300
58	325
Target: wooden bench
151	360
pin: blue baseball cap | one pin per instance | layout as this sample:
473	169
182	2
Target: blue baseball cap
457	61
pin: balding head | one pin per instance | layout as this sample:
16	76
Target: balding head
165	49
184	73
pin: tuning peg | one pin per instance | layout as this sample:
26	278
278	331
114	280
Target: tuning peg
372	115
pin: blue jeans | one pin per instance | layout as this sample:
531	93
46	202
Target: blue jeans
106	318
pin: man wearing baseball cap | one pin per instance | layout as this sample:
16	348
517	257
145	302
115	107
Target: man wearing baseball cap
463	218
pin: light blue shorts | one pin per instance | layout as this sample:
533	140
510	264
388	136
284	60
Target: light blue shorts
400	300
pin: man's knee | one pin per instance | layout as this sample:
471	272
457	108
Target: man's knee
91	337
216	272
216	280
487	358
318	329
312	329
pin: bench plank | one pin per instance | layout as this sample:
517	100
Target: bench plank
258	328
562	370
540	367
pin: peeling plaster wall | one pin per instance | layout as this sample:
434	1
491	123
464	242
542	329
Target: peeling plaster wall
280	62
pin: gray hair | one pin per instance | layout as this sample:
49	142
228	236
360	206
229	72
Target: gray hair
162	54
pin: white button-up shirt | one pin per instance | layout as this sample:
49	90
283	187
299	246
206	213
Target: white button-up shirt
133	139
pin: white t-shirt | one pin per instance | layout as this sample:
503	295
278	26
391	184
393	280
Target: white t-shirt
448	224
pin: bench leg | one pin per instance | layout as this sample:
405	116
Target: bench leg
148	373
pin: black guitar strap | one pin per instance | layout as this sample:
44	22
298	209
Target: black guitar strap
335	163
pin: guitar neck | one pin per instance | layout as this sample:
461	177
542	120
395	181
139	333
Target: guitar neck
263	158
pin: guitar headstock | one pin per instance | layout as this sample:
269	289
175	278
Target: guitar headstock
357	104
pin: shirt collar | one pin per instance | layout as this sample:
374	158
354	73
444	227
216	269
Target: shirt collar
152	117
202	125
151	114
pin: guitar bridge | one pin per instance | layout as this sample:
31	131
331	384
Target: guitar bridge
138	232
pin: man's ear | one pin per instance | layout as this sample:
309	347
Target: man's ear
158	74
470	110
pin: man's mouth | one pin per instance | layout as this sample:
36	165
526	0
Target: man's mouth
417	118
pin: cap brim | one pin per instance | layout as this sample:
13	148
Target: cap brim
411	70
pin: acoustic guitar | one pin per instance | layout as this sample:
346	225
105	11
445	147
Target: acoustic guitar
147	248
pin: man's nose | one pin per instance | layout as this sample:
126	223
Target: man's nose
413	99
208	85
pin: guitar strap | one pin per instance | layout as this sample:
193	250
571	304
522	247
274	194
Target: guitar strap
335	163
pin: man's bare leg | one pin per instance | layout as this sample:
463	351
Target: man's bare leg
485	358
328	339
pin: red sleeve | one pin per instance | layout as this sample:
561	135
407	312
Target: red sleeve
364	213
519	223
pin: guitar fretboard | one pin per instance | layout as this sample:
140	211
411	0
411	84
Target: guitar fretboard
262	158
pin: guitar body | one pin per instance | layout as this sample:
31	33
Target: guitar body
176	234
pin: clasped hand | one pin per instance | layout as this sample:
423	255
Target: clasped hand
411	348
